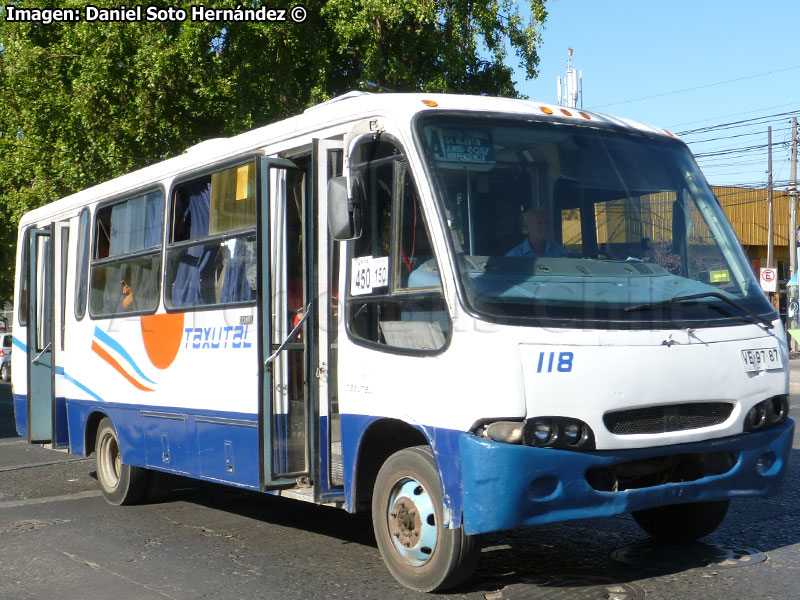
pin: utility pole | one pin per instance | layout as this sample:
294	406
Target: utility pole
792	290
771	221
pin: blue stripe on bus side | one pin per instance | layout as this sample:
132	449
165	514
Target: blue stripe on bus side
78	384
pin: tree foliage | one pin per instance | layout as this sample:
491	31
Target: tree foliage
84	102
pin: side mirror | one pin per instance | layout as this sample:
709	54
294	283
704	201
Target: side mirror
344	214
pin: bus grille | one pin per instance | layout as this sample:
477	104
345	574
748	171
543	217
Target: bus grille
662	419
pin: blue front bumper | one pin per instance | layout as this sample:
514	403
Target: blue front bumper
506	486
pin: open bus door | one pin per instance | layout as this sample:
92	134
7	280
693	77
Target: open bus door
41	412
283	410
299	420
327	158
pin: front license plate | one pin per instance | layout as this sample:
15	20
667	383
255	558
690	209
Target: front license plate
761	359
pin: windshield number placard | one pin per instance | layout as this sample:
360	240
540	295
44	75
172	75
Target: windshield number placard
761	359
368	273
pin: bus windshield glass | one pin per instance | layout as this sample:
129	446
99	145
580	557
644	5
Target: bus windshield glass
584	226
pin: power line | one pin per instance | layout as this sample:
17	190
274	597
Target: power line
747	112
699	87
741	123
737	135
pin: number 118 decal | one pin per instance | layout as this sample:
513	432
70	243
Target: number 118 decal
551	361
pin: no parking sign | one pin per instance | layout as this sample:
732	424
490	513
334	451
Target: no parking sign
769	279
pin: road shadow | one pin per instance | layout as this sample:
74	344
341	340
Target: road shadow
601	553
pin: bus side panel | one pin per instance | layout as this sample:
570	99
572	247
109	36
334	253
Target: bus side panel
228	452
208	445
443	442
127	423
62	430
21	414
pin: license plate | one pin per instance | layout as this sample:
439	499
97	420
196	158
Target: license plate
761	359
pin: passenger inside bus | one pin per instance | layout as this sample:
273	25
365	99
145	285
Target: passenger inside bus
538	243
127	296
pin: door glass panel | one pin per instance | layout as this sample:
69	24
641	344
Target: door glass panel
40	328
289	407
44	297
63	277
335	159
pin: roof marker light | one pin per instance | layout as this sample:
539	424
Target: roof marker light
669	133
430	103
564	111
585	116
545	110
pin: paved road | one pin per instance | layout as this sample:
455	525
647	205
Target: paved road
58	538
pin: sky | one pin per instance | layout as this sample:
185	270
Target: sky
685	65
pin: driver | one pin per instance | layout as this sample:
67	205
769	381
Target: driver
537	244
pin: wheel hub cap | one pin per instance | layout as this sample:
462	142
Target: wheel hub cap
412	522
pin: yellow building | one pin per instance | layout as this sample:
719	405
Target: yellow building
748	211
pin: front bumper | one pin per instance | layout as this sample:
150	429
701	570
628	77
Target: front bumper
507	486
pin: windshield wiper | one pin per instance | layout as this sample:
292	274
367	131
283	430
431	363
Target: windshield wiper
676	299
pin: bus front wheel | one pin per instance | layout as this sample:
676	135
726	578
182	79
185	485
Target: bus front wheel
407	515
680	523
120	483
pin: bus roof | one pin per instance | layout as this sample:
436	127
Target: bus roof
348	108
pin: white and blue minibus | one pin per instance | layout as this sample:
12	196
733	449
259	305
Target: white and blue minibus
465	314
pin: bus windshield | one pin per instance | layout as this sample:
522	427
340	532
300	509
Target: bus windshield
584	226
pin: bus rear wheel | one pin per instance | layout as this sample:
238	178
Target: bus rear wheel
120	483
407	516
681	523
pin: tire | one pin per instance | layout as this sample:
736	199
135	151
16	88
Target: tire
120	483
407	516
681	523
5	372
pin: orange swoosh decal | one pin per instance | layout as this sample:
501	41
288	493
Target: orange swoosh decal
112	361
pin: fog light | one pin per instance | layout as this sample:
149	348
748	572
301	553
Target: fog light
765	463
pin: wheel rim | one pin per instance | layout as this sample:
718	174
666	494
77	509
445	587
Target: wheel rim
411	518
109	461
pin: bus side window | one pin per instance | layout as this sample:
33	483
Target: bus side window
82	269
211	258
394	292
126	269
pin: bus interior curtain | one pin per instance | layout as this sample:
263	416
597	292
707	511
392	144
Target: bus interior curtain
187	289
239	278
136	224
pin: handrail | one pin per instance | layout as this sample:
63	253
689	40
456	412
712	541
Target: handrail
291	335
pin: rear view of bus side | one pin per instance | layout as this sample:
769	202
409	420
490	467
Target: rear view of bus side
464	314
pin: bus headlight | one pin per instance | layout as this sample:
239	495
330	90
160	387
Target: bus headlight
772	411
564	433
540	432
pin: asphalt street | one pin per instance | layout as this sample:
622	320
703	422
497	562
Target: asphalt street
59	538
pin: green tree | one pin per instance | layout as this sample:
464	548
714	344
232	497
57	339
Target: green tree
84	102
